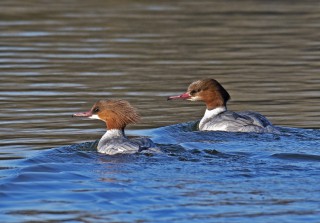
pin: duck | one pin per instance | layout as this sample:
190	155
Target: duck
217	117
117	114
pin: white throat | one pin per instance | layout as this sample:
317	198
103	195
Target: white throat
209	114
95	117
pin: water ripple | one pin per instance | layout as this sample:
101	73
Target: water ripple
60	57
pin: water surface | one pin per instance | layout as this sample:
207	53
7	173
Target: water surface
57	58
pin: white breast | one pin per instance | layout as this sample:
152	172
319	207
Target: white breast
208	116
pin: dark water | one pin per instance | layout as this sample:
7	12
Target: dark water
59	57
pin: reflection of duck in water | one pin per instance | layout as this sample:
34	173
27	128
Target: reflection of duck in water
117	114
217	117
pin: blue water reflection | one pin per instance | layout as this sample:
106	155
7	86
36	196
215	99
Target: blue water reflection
200	176
60	57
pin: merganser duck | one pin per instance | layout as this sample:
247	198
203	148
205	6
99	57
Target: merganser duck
217	117
117	114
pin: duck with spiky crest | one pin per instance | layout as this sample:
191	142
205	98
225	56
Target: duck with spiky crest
117	114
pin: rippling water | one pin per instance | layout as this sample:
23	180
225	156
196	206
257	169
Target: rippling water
59	57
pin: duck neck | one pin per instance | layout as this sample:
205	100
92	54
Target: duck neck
115	124
210	113
215	104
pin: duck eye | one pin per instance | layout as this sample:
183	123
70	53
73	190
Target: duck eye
193	92
96	110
